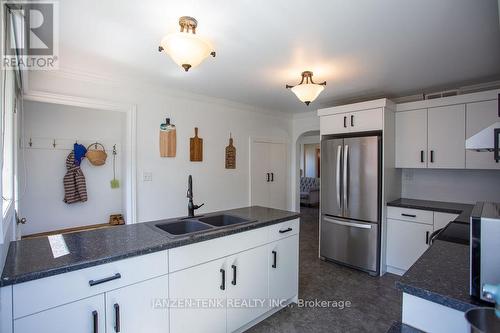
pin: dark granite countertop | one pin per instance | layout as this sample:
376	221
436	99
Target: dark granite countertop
464	210
441	275
31	259
398	327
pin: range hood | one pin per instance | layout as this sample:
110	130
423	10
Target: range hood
486	140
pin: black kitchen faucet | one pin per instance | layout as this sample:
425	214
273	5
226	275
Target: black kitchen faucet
191	206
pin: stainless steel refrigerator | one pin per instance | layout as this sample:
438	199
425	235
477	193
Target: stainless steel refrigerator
350	200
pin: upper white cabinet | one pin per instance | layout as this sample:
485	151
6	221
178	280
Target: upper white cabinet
431	138
411	139
480	115
446	139
358	121
432	133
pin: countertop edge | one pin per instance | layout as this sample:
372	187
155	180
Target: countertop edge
435	297
173	244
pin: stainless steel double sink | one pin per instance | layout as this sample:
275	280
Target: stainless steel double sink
188	226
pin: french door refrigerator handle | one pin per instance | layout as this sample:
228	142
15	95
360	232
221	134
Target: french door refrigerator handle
337	182
348	224
346	177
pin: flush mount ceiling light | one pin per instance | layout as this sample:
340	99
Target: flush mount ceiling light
307	91
186	48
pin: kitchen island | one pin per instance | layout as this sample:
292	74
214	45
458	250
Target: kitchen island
128	278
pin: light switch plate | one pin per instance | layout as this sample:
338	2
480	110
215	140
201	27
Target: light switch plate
147	176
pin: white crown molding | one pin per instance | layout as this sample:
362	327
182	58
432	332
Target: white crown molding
156	88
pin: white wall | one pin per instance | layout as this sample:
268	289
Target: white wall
42	191
214	185
310	161
466	186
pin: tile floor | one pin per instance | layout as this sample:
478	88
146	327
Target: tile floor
376	303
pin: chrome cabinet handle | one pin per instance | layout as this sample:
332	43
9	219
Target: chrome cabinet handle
337	175
349	224
346	177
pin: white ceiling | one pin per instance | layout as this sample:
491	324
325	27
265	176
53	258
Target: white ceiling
361	48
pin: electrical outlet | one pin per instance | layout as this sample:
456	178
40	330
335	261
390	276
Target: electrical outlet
147	176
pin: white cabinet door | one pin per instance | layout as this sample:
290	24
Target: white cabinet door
334	124
197	298
479	116
283	268
411	139
441	220
366	120
406	242
260	165
277	185
83	316
446	138
268	174
141	307
247	286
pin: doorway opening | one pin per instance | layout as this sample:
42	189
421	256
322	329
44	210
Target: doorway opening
53	202
308	170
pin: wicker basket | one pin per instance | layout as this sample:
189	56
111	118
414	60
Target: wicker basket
96	155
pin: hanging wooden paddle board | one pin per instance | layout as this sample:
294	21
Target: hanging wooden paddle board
230	154
168	140
196	147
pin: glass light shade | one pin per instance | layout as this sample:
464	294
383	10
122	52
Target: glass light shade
307	92
186	48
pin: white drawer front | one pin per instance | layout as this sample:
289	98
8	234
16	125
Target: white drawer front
68	287
195	254
283	229
412	215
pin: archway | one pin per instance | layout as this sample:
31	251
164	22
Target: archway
305	139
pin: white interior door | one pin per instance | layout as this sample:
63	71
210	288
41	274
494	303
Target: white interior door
446	145
479	116
278	168
140	307
260	173
411	139
246	283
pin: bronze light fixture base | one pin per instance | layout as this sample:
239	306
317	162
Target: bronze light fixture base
306	79
306	76
188	23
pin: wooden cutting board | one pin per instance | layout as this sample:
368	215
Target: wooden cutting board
168	143
230	155
196	147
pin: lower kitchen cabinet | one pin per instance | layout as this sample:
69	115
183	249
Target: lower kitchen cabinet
141	307
406	242
83	316
192	292
246	287
283	268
